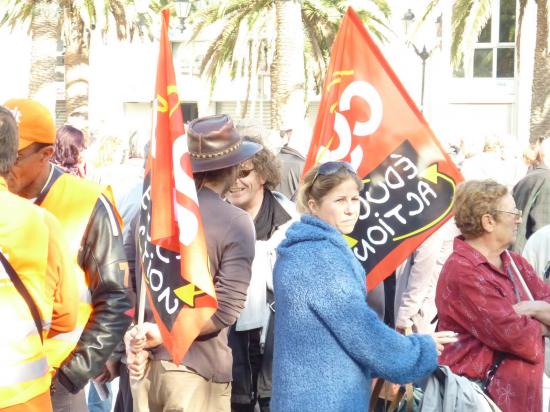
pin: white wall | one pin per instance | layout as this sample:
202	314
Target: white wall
15	49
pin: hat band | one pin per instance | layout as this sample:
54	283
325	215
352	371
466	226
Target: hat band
218	154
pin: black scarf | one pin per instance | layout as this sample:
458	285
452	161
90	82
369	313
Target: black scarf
270	216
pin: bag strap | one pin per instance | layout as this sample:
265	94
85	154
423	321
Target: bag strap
394	405
492	371
375	394
519	275
18	283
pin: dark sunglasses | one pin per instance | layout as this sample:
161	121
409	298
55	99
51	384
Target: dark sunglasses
330	168
244	173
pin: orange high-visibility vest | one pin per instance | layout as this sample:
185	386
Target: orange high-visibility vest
24	240
72	201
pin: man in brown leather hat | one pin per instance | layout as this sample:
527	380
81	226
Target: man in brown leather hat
202	381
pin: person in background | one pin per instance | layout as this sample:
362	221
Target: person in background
483	293
202	381
69	150
292	163
537	253
416	280
129	202
532	196
251	338
91	225
328	342
106	151
126	178
34	273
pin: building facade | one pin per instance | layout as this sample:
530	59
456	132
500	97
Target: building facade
486	95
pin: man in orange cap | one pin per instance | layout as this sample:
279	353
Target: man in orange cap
91	224
38	293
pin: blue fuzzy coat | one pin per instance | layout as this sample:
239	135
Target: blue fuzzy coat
328	342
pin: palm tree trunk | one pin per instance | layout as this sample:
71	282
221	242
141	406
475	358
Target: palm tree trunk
287	70
45	32
77	59
540	103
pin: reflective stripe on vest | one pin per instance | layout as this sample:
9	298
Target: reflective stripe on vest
26	381
24	372
71	336
72	201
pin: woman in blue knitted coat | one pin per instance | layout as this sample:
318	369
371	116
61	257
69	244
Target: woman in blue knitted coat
328	342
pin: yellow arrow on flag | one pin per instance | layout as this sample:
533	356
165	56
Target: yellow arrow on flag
351	241
187	294
431	173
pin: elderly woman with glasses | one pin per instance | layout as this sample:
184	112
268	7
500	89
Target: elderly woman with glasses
494	300
328	342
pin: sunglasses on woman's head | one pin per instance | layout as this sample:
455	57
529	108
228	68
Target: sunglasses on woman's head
330	168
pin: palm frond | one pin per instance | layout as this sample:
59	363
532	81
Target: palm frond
384	8
219	52
461	11
17	11
368	18
476	20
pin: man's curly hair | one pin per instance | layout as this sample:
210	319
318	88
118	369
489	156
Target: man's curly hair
265	164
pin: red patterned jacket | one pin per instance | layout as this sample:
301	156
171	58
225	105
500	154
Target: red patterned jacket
475	299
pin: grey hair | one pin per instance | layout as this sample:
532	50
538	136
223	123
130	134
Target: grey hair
9	140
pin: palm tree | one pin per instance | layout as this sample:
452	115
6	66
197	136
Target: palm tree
74	20
470	17
295	34
540	100
79	19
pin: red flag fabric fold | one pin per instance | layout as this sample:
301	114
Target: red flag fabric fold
171	238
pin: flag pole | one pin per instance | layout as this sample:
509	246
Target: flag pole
141	302
142	292
142	286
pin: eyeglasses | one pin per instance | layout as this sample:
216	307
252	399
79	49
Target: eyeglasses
244	173
330	168
517	213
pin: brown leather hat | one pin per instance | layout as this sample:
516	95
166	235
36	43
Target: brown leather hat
214	144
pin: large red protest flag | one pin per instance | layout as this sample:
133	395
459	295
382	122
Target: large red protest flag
172	243
367	118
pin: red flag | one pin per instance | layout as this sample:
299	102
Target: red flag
172	244
367	118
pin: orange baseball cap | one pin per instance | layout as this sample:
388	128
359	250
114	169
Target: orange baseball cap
35	122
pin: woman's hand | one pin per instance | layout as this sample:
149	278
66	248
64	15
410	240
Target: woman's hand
442	338
537	309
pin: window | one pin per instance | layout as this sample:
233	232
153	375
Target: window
494	52
190	111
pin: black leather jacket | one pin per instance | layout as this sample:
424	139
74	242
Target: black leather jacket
102	257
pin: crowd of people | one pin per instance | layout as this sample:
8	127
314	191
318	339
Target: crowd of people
294	329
